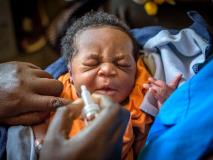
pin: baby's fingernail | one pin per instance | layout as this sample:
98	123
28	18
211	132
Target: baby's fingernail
145	85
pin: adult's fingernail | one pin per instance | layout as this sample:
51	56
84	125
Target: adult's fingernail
57	103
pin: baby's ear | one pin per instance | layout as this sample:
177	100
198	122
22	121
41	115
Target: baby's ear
70	72
69	68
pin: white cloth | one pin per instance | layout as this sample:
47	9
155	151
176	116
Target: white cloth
179	53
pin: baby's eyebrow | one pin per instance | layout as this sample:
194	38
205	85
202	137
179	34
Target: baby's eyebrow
120	56
93	56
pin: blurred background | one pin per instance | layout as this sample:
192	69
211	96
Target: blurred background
31	30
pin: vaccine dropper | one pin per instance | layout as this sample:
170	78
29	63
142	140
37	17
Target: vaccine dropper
91	109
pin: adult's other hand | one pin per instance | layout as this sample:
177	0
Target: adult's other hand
99	140
27	93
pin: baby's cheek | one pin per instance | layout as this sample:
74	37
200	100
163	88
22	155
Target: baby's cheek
127	87
89	80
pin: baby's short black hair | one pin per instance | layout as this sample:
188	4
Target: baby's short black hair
89	20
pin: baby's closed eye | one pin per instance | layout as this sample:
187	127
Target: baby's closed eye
91	62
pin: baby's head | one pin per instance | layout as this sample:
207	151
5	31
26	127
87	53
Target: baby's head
101	55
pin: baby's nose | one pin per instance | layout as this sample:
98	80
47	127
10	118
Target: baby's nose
107	69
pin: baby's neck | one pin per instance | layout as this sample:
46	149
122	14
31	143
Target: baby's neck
125	102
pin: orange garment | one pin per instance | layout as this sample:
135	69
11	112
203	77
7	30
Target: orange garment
133	140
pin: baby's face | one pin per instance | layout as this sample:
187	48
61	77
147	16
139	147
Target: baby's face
104	62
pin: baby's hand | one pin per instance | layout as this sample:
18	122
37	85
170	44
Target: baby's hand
160	90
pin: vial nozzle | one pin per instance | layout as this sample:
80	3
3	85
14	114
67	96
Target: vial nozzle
90	108
85	94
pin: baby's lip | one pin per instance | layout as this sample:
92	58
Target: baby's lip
107	88
106	91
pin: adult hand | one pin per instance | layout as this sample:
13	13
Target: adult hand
97	141
27	93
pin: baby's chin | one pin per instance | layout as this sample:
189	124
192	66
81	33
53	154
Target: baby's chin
116	99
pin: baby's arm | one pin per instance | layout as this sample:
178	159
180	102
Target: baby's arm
160	90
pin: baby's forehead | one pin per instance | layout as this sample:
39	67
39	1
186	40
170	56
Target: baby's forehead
97	34
97	28
94	36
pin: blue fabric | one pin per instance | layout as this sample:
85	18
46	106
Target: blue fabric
183	128
3	140
58	68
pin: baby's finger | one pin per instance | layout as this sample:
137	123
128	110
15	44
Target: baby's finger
154	93
176	81
151	79
147	86
157	92
158	83
156	88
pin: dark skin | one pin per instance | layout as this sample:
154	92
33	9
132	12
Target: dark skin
96	141
27	94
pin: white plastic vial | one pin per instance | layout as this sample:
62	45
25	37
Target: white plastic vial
91	109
